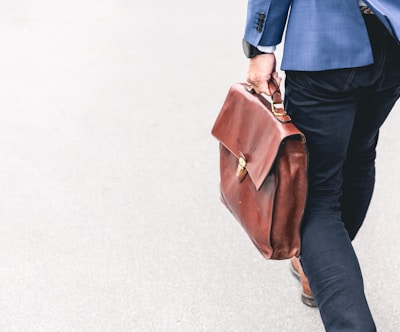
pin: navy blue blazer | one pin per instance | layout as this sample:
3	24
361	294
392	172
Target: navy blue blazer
320	35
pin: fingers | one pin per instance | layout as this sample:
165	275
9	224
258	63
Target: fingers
276	77
260	85
261	69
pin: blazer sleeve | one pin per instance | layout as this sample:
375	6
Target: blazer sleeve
266	21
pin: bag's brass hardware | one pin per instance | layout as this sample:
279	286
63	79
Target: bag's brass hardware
280	107
277	108
273	169
241	168
251	89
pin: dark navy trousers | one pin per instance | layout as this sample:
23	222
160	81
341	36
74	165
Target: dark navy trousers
340	111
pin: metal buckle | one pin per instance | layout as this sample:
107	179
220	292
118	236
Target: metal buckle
275	106
241	168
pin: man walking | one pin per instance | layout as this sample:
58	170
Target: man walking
341	59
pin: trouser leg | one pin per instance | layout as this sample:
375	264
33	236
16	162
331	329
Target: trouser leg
359	168
327	116
340	112
379	86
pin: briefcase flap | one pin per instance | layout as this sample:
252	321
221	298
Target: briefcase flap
247	126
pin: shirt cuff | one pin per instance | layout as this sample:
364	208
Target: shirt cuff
266	49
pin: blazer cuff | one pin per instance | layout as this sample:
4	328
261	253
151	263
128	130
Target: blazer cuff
266	49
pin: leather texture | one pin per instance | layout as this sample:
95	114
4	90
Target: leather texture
268	195
306	294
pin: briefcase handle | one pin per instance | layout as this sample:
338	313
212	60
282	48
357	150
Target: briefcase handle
274	99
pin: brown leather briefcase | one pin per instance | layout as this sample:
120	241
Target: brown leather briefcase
263	169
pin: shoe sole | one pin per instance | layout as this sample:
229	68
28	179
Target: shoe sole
295	273
306	299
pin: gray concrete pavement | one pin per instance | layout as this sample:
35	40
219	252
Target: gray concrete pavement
109	210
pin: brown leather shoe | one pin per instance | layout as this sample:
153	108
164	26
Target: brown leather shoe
297	271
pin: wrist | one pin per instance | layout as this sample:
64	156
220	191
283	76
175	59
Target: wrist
252	51
249	50
267	49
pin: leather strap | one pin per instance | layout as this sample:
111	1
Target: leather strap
273	101
274	91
